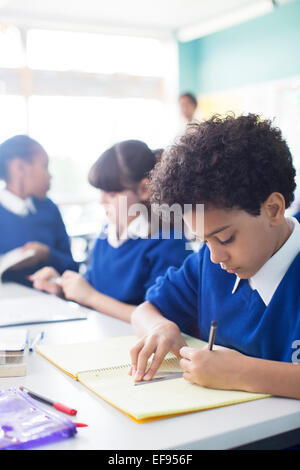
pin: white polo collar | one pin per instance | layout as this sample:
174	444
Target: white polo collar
16	204
138	228
268	278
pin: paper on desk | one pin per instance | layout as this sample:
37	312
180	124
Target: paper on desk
102	366
38	309
102	354
13	339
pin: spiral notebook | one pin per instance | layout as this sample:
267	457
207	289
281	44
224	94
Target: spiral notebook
102	367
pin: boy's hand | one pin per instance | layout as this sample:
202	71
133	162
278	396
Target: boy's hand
76	288
220	368
42	280
163	338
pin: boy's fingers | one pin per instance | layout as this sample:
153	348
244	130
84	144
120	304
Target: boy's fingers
188	376
156	362
134	352
143	357
186	352
185	364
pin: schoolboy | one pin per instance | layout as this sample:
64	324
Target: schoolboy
246	276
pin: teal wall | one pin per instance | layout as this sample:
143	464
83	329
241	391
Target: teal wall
263	49
188	60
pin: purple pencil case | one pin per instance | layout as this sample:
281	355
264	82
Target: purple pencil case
26	423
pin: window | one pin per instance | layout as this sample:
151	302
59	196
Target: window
11	48
98	53
12	116
79	93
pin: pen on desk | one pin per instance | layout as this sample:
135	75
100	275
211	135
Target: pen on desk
38	338
212	334
55	404
56	280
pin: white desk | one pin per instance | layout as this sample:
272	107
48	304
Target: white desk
222	428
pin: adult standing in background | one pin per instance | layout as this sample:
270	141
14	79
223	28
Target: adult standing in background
188	110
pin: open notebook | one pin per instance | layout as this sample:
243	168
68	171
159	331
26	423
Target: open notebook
12	258
102	366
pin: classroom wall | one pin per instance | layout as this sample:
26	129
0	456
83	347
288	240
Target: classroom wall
263	49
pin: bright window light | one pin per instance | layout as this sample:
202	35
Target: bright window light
12	116
98	53
137	118
76	130
11	50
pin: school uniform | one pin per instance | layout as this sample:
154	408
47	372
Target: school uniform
259	317
125	268
297	216
33	220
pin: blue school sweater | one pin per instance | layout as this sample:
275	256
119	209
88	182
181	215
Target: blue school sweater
44	226
297	216
125	273
201	291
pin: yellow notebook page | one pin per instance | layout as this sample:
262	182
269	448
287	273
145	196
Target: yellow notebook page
102	366
158	399
105	353
79	357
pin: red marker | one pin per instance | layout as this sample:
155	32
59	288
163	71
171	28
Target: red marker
81	425
55	404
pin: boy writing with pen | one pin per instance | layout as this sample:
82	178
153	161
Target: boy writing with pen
245	277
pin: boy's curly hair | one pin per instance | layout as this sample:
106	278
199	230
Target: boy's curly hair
226	162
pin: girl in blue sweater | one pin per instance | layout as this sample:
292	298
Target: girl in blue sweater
246	276
28	218
127	258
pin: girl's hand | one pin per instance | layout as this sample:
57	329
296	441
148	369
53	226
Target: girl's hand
42	281
163	338
221	368
76	288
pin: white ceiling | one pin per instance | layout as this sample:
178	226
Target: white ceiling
156	16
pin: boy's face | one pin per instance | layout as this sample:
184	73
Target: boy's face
36	175
239	242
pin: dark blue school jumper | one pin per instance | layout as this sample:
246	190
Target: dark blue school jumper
201	291
44	226
126	272
297	216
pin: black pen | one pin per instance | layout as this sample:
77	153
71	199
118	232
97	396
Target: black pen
212	334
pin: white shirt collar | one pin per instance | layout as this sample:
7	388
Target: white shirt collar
138	228
268	278
16	204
